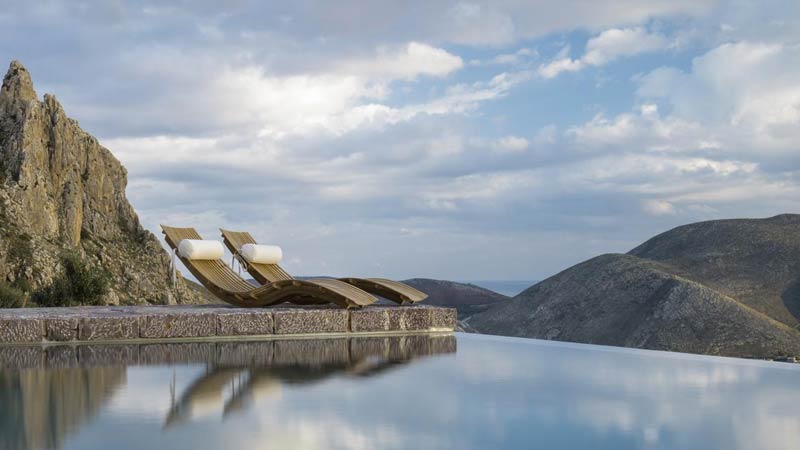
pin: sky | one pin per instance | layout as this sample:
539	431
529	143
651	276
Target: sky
439	139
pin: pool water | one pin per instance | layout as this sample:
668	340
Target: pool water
414	392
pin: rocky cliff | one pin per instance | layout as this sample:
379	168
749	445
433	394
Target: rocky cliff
724	287
60	190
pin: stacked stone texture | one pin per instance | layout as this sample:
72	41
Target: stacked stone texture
123	323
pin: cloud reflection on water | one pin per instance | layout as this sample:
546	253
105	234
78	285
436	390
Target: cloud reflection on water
494	392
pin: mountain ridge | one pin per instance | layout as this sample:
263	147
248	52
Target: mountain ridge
668	298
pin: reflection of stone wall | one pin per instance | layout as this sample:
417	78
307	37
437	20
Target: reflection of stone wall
307	352
48	392
40	407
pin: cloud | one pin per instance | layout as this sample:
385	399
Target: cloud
408	63
511	144
400	139
504	22
521	56
606	47
746	92
615	43
659	207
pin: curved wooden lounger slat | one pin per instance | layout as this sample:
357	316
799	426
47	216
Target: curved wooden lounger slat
393	290
226	284
270	273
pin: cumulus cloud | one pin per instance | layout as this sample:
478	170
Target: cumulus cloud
511	144
378	141
409	62
606	47
746	93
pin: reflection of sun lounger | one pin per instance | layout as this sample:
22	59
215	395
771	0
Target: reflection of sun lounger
259	385
203	396
226	284
270	273
230	386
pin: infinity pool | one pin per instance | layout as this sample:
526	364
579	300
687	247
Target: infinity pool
413	392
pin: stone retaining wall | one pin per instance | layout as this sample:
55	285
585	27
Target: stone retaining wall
85	323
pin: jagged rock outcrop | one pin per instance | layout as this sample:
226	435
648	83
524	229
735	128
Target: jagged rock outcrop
61	190
720	287
466	298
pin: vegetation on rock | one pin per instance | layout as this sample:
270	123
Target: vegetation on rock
77	284
11	297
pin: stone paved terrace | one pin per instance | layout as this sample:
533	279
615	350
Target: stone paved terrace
128	323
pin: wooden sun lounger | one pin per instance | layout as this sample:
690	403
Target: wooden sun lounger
269	273
226	284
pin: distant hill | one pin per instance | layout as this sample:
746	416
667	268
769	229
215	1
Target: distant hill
727	287
467	298
757	262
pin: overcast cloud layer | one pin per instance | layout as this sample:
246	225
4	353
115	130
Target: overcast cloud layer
500	140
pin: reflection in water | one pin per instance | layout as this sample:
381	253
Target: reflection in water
367	394
38	408
229	385
47	393
204	395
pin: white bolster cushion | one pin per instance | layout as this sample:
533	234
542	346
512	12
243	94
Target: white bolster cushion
200	249
261	254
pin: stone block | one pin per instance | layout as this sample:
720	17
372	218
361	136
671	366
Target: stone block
60	329
244	323
108	327
303	321
409	318
172	325
21	330
443	319
369	320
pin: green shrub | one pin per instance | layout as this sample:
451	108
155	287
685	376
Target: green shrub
22	284
11	297
78	284
20	249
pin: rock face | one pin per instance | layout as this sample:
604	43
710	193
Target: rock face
468	299
60	189
721	287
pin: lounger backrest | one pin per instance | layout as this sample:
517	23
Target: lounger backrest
209	272
263	273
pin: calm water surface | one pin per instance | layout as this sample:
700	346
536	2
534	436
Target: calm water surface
415	392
